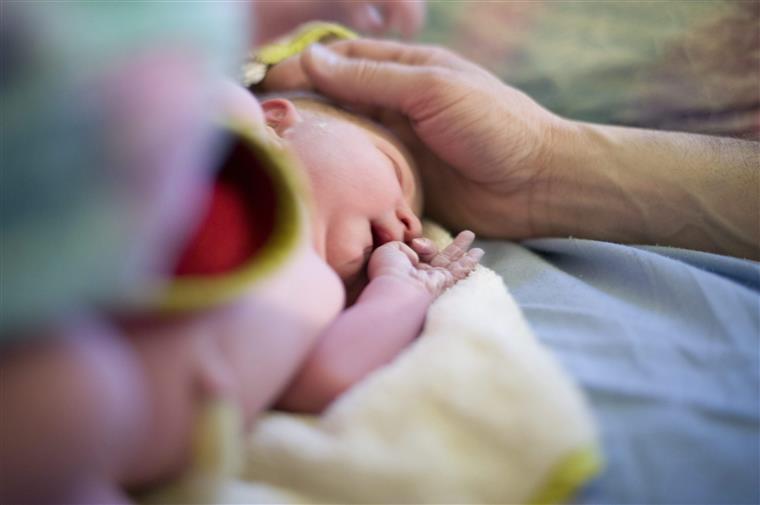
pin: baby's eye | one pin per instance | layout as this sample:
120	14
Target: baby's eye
375	238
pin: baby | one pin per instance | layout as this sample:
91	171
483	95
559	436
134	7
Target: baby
133	393
366	197
93	397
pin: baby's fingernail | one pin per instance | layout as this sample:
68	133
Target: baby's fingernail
421	242
323	55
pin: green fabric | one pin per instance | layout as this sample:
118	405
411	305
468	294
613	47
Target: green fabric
200	292
681	65
65	216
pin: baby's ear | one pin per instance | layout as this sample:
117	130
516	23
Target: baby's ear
280	114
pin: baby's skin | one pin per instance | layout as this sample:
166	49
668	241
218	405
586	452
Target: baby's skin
386	317
365	227
115	400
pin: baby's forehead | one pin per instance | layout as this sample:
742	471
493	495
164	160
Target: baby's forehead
321	107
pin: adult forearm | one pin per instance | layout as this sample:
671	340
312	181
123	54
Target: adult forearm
641	186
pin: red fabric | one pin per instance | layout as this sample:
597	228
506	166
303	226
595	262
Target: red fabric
238	221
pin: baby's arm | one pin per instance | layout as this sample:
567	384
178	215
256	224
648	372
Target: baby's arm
386	317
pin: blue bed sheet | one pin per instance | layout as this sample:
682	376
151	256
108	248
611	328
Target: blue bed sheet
665	342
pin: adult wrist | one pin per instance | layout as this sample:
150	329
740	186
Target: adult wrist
589	188
649	187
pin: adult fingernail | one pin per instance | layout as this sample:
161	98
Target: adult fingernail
477	253
323	55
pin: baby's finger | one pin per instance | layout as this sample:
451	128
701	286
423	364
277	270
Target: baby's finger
476	253
472	258
425	248
455	250
413	257
466	264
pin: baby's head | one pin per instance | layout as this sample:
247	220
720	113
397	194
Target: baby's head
365	186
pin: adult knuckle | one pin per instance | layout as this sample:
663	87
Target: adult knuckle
443	54
437	53
432	79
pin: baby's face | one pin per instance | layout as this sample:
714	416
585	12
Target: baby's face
363	186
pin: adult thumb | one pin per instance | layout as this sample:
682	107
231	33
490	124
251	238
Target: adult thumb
362	81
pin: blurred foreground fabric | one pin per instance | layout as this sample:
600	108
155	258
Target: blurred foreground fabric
98	140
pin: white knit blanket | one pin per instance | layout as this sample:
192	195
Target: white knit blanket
475	411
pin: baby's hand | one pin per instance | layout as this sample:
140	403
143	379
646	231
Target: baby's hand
431	269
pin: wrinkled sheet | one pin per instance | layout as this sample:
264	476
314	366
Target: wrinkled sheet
665	343
467	413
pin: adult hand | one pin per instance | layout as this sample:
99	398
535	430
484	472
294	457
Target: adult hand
480	144
496	162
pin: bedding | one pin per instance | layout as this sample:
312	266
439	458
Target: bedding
662	342
665	343
474	411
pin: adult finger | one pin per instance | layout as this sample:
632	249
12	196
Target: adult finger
290	74
287	75
362	81
399	52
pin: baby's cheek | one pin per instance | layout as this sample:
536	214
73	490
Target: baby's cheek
321	292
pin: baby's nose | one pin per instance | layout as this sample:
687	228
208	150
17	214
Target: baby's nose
412	227
402	225
384	231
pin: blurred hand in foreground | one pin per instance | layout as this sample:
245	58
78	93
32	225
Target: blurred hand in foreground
371	17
